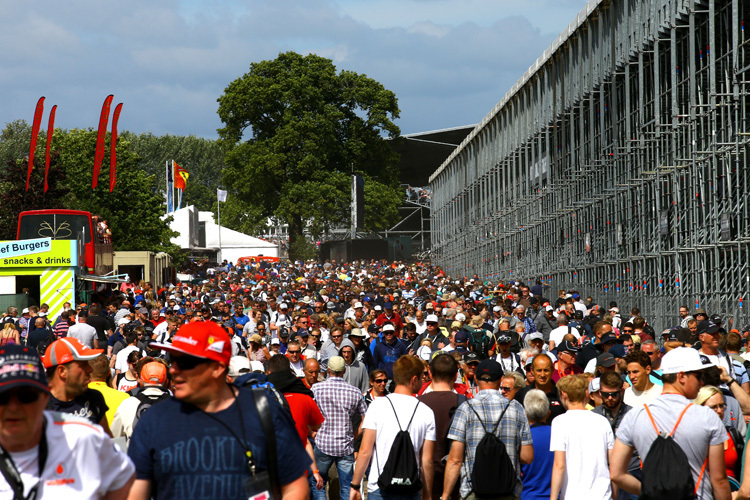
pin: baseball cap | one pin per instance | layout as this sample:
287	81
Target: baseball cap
606	360
489	370
502	339
431	318
123	321
535	336
21	367
373	328
358	305
429	306
618	351
283	305
41	313
549	308
66	350
336	364
460	317
470	357
378	308
684	359
275	341
238	365
497	309
700	310
154	373
200	339
142	310
462	336
257	366
388	305
388	328
567	346
25	310
608	337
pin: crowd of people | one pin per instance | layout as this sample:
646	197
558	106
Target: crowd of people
264	378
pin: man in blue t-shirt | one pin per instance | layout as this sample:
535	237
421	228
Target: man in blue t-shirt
197	444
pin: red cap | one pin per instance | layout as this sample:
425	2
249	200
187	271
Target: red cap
66	350
154	373
202	339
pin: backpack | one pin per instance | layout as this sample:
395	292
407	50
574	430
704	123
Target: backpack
481	344
42	346
493	474
400	474
666	470
147	402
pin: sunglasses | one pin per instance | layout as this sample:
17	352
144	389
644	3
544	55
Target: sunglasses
504	388
23	397
380	380
607	395
431	324
293	352
336	336
188	362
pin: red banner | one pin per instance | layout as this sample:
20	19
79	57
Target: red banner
34	134
50	130
180	176
101	134
113	149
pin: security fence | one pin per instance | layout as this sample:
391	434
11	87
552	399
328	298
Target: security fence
617	165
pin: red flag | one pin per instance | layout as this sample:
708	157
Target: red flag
113	149
101	134
34	134
50	129
180	176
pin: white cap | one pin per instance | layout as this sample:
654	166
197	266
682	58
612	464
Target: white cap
549	308
535	336
25	310
358	305
388	328
460	317
176	308
238	363
283	305
378	308
123	321
497	309
41	313
684	359
275	341
257	366
431	318
594	385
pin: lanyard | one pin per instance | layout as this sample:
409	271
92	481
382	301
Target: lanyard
13	477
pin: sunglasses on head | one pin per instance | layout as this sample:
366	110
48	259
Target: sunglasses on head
188	362
23	397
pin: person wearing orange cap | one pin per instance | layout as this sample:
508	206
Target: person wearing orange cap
153	379
69	373
234	439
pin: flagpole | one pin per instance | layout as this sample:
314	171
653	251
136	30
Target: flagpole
218	209
166	179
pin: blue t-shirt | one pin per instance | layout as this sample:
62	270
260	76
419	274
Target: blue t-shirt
537	480
186	454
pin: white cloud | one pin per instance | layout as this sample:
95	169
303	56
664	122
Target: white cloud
448	62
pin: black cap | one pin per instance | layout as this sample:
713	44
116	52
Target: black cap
489	371
608	337
21	366
470	357
567	346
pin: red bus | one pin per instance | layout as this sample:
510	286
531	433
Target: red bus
95	255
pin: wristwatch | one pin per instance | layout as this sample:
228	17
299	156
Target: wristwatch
355	486
731	381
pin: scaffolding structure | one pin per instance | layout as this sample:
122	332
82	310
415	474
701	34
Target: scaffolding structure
617	165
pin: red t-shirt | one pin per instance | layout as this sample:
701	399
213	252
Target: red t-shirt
305	413
558	373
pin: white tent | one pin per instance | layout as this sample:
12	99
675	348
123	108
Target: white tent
187	222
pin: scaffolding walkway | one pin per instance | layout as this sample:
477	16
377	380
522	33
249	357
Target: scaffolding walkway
617	165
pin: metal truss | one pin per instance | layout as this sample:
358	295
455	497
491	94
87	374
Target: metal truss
617	165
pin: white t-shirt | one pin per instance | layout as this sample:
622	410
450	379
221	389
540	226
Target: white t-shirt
560	332
82	462
585	437
83	332
640	398
121	361
421	327
381	417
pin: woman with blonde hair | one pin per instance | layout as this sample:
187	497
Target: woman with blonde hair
9	335
712	397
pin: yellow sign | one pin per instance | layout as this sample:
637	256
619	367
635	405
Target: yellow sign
63	253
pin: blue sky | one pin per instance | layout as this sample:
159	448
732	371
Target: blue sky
449	62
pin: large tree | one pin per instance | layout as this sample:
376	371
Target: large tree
294	131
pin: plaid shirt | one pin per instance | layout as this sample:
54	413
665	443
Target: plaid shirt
338	401
513	431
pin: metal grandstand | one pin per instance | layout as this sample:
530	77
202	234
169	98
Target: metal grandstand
616	165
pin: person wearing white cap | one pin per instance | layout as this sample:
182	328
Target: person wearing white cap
696	429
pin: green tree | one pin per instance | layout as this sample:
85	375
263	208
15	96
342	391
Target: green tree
133	210
294	130
202	158
14	143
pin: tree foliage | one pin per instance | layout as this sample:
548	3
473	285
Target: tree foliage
294	131
202	158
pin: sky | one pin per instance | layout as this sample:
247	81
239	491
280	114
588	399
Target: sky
168	61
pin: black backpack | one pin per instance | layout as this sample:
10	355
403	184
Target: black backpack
42	346
666	470
400	475
481	343
493	474
147	402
